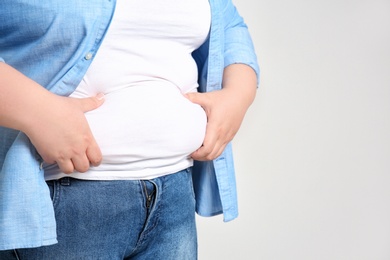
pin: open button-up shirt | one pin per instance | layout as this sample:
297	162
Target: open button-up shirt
53	44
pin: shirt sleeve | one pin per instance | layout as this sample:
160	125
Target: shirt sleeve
238	44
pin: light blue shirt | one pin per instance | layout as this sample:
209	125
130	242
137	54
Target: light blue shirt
54	44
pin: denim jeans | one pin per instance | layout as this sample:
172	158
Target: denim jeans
121	219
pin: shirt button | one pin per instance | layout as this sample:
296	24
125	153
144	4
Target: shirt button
88	56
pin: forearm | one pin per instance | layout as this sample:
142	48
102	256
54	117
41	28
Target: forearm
21	99
241	81
56	125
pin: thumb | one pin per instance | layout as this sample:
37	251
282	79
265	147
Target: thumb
91	103
197	98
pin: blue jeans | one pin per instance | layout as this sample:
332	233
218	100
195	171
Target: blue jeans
108	220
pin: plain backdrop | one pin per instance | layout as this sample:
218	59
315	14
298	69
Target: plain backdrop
313	153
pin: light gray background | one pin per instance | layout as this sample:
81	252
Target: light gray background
313	154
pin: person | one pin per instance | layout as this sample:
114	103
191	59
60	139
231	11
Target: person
116	120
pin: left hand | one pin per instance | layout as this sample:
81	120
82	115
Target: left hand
225	109
224	116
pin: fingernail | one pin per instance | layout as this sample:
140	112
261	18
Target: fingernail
100	96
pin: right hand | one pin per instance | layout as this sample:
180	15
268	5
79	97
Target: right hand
62	135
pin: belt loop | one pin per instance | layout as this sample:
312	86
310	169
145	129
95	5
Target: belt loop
65	181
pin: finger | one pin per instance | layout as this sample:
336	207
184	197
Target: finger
203	154
91	103
210	140
206	151
206	155
66	166
81	163
94	154
220	151
199	155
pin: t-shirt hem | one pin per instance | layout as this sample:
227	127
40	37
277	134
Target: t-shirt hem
144	174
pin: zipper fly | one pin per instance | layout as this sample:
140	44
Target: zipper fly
149	197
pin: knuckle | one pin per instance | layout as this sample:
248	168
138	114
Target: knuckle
67	170
95	161
207	151
87	138
82	168
210	157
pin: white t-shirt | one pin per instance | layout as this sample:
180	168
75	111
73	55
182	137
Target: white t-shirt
146	128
